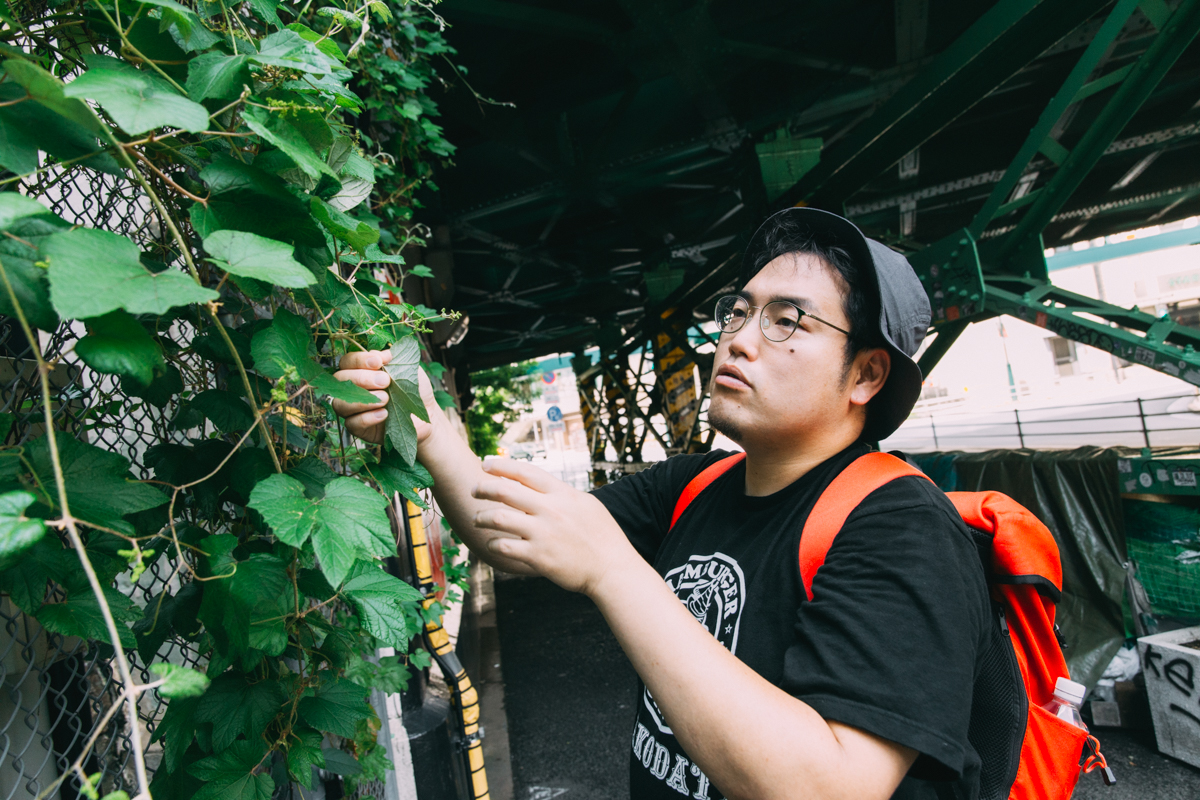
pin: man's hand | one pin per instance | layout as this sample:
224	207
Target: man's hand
560	532
365	370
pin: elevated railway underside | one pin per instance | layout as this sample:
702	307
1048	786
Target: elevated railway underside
615	155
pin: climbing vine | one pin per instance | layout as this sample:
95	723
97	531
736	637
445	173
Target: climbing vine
267	155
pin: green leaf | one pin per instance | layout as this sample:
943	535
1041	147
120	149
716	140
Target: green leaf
314	473
6	424
27	126
228	775
444	399
117	344
187	29
287	49
353	232
180	681
343	17
247	198
377	256
352	523
28	223
282	502
399	428
47	90
137	101
99	486
377	598
304	754
94	272
210	344
326	45
18	533
349	523
404	398
336	707
381	9
236	706
394	475
224	409
176	730
257	257
326	385
80	615
341	763
247	467
218	76
161	389
265	10
281	345
276	129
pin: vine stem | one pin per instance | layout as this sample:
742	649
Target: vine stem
131	688
211	306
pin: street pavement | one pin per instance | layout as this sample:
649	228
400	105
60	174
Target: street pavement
570	693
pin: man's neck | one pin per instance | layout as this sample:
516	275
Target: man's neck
770	468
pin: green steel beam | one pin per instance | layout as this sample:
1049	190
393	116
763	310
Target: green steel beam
946	336
1067	95
1006	38
1175	36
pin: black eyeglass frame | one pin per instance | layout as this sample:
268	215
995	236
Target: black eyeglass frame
762	317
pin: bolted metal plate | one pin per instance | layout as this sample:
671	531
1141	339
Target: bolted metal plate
950	272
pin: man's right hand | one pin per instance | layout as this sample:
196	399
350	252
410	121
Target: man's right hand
368	421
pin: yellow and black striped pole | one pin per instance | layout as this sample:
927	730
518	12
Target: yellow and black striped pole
437	641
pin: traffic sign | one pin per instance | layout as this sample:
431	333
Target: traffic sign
554	414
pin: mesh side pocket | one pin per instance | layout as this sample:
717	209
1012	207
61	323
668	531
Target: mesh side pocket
998	715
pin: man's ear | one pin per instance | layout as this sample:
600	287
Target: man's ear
869	374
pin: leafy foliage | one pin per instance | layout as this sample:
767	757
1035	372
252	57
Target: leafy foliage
277	149
498	401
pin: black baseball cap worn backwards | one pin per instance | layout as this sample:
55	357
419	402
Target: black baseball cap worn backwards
904	312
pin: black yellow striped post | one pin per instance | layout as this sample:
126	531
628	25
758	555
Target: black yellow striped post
466	698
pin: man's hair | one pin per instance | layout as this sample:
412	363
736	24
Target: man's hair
861	301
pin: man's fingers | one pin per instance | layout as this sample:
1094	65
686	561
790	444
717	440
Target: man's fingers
510	493
366	378
503	519
509	547
365	359
529	475
366	425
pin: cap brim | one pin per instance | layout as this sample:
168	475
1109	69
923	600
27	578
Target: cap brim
895	401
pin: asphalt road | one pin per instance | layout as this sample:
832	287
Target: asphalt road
570	692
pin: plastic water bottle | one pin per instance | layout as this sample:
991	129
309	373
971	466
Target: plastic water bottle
1068	697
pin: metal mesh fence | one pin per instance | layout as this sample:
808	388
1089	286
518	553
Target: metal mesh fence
56	689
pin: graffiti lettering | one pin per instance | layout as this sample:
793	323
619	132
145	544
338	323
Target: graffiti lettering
1179	674
1148	661
1185	712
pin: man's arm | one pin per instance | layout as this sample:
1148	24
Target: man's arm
752	739
455	469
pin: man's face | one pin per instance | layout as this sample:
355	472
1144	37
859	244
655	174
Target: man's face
765	393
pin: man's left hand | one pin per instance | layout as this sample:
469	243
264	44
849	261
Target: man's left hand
564	534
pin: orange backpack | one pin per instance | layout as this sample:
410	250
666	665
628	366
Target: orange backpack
1027	753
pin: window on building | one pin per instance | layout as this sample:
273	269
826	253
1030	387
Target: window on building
1065	358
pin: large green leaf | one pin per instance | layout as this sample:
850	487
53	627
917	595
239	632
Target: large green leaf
186	28
80	615
304	754
218	76
47	90
179	681
18	533
285	344
247	198
117	345
229	775
287	49
277	130
265	10
94	272
27	223
282	502
253	256
27	126
137	101
237	705
247	606
337	707
393	475
353	232
404	398
378	599
349	523
224	409
99	486
176	730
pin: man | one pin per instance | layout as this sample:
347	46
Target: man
750	689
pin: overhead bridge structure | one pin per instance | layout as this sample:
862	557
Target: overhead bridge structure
615	155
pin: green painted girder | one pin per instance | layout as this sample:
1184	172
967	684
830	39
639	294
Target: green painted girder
1007	37
1176	34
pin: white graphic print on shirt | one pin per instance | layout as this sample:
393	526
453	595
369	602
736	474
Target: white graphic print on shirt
714	590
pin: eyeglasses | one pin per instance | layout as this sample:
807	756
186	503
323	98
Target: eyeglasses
778	321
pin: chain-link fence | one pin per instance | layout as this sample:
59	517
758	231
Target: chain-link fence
57	689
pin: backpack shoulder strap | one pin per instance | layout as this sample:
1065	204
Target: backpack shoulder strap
699	483
864	475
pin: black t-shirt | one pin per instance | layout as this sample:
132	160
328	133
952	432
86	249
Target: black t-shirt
888	644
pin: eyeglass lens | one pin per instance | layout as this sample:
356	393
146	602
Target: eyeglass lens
779	320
